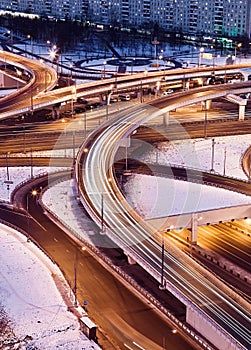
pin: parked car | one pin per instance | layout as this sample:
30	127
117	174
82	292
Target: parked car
79	109
113	99
126	97
82	100
168	92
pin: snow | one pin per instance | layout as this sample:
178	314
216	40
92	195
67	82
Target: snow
197	154
37	312
173	197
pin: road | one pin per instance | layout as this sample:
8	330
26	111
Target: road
32	100
122	317
226	242
95	178
43	78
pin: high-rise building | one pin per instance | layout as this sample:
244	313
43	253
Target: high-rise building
195	17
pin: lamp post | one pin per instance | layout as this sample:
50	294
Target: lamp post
102	213
31	163
8	181
85	131
224	163
45	80
19	73
237	46
75	278
70	80
29	37
104	64
200	56
155	42
33	194
212	160
132	64
31	102
205	122
162	285
73	98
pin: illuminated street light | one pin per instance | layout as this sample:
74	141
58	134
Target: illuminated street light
19	74
212	160
200	56
238	46
70	80
104	64
73	98
162	285
132	64
33	193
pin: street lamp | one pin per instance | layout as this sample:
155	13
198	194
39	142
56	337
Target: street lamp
31	102
102	229
162	285
19	73
200	56
224	163
31	43
71	66
32	194
237	46
212	163
104	64
75	278
160	58
132	64
8	182
73	98
205	122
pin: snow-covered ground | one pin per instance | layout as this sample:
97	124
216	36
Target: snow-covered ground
173	197
35	309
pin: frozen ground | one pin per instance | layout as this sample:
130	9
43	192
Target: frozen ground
173	197
36	311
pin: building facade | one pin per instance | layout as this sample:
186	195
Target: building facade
195	17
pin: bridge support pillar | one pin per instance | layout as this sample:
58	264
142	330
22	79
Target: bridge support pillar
241	112
194	228
210	330
166	117
101	100
131	260
2	80
208	104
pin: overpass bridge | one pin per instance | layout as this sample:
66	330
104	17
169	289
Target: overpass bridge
192	220
97	185
44	78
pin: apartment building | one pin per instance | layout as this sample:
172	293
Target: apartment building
196	17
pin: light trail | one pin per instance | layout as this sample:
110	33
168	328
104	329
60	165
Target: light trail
130	231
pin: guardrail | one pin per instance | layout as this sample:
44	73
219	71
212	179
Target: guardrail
183	327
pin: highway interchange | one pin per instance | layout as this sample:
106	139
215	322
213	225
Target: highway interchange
99	161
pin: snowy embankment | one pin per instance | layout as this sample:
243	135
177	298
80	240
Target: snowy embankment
172	197
33	313
37	314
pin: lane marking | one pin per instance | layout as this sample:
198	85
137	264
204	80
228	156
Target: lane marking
138	345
